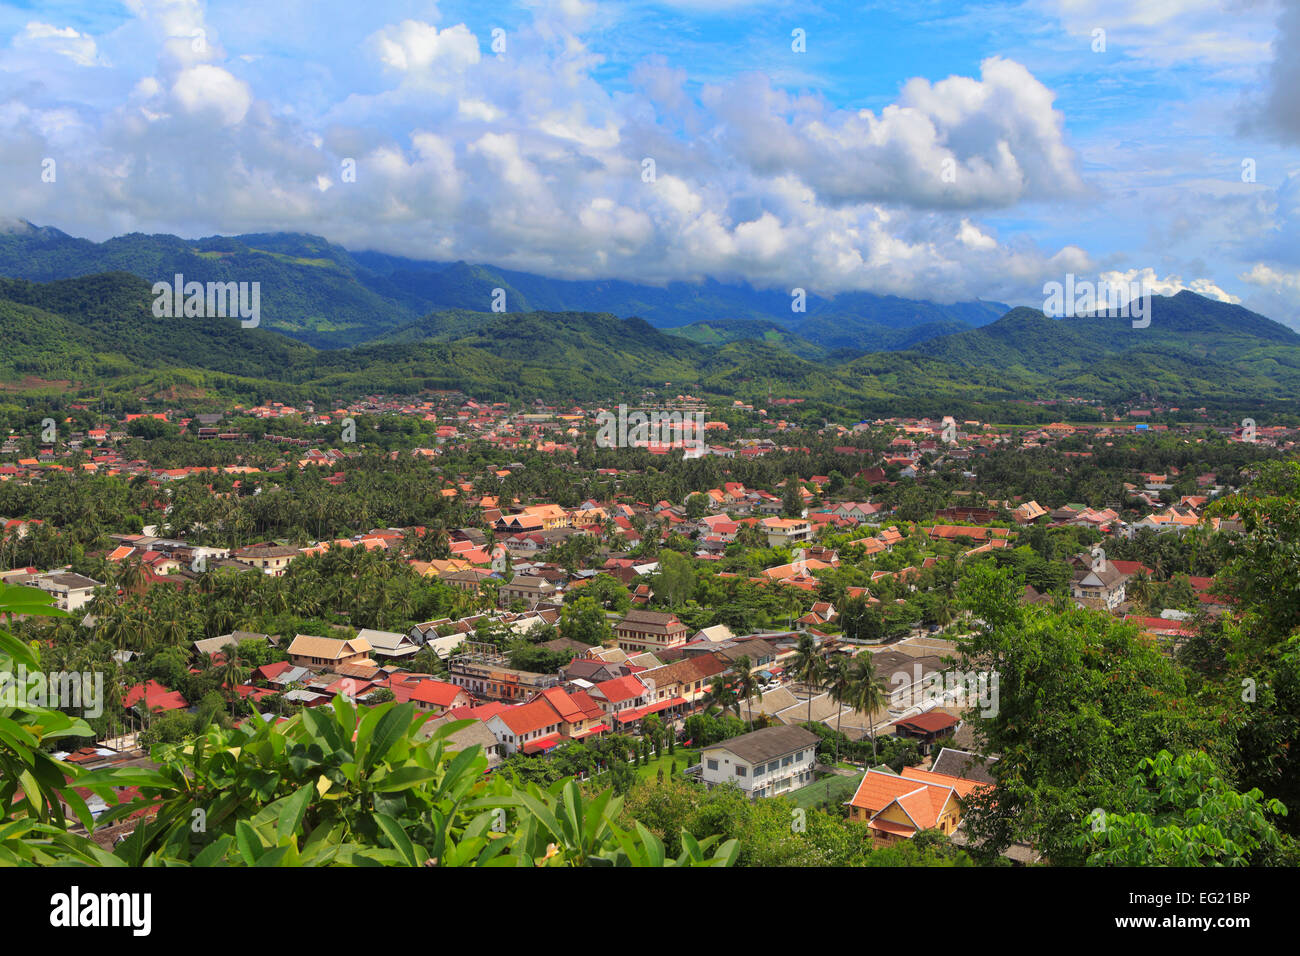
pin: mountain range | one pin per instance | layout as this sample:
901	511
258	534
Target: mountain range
324	295
93	335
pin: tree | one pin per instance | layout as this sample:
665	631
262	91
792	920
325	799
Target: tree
674	582
401	800
745	686
1181	812
810	667
791	499
1080	701
232	670
838	685
584	620
866	693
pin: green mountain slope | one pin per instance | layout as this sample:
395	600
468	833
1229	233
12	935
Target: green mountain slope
97	336
327	296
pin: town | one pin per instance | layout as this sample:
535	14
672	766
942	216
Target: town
779	616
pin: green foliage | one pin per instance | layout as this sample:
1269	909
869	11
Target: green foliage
1080	701
1183	813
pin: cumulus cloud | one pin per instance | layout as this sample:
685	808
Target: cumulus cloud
959	143
1149	281
417	49
210	92
1276	292
530	161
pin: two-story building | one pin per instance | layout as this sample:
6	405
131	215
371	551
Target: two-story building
649	631
783	532
528	590
764	763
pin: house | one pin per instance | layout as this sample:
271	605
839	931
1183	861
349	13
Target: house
899	806
782	532
687	680
550	718
1029	512
427	693
762	763
71	591
533	728
529	590
155	696
309	651
389	644
927	728
1098	584
649	631
213	645
271	559
964	764
624	700
477	734
491	677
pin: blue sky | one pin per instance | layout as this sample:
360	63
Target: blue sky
929	149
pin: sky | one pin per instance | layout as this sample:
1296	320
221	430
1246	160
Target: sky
928	149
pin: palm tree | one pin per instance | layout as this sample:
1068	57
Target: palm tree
809	667
867	692
131	576
746	686
232	669
839	683
721	695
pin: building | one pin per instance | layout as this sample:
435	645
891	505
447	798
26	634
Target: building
309	651
553	717
927	728
71	591
763	763
389	644
899	806
483	671
782	532
529	590
271	559
649	631
427	693
1098	585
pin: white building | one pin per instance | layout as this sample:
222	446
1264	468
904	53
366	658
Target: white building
763	763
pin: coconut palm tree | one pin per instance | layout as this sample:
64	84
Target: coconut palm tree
867	692
232	669
839	683
810	667
720	695
131	576
745	686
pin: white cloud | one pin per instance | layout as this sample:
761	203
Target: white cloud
1161	33
1149	281
958	143
210	91
44	38
415	48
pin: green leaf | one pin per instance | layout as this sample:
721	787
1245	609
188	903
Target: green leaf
397	837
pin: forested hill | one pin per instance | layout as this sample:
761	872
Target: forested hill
97	335
330	297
